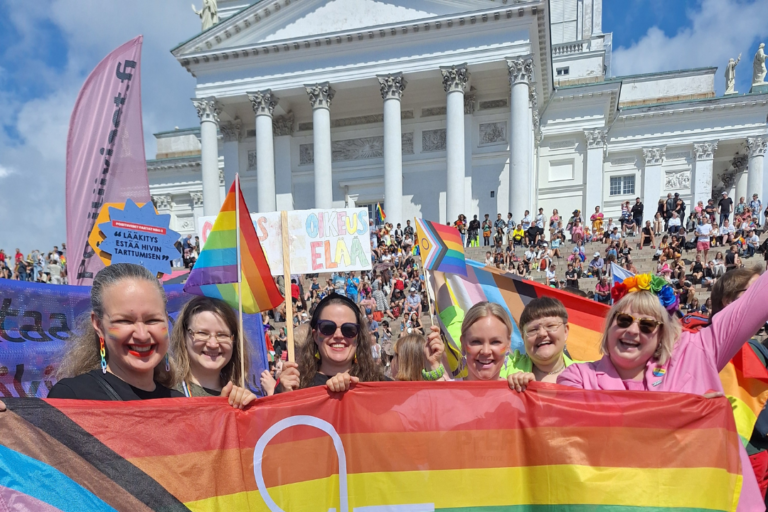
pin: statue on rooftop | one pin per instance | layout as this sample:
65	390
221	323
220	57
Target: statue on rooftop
209	13
758	66
730	75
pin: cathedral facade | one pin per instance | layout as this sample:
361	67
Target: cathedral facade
436	108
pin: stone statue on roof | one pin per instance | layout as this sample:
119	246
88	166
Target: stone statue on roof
758	66
730	75
209	14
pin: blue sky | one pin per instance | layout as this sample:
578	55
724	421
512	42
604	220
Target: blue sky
48	47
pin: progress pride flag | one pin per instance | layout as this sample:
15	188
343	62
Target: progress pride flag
105	153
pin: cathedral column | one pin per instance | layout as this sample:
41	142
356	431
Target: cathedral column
455	79
320	96
703	172
392	87
755	182
208	110
520	168
593	182
282	127
231	135
653	179
263	103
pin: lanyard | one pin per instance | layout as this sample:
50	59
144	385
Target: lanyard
186	389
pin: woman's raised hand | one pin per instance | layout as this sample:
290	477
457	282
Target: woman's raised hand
519	381
239	397
434	348
289	377
268	383
341	382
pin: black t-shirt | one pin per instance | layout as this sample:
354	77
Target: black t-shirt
319	380
698	267
730	258
87	387
637	210
572	277
725	205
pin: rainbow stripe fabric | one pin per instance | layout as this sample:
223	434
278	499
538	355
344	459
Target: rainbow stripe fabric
745	382
394	447
455	294
441	248
380	215
215	272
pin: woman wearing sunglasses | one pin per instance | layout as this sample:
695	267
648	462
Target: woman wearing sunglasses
337	352
544	325
204	348
644	350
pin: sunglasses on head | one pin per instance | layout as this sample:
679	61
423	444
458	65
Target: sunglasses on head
646	325
328	328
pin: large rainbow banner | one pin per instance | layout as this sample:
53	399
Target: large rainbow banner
383	447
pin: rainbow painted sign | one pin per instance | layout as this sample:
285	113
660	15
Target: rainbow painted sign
335	240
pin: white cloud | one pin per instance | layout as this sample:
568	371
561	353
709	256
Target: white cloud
32	160
719	30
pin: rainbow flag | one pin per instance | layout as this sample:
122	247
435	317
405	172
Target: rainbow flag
455	294
404	446
380	215
745	382
215	272
441	247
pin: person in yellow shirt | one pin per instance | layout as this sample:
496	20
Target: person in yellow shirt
518	235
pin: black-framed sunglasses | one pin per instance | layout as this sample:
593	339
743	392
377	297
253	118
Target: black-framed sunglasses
646	325
328	328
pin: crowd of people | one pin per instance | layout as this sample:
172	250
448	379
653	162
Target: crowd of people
37	266
125	351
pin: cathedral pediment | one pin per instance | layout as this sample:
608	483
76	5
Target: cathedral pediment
267	21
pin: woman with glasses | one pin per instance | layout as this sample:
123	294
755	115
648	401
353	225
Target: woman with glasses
544	325
337	352
205	351
644	350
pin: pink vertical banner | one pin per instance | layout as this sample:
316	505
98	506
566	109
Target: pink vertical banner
105	153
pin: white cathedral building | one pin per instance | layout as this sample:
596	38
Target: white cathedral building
440	107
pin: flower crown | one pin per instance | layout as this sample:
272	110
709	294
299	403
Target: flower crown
654	284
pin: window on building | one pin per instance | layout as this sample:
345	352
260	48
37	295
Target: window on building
563	71
564	14
622	185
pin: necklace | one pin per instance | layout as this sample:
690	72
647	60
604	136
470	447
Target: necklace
553	372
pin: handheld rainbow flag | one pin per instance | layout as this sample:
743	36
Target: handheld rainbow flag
219	268
380	215
441	248
745	382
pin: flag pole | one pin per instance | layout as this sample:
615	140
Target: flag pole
287	285
240	344
429	298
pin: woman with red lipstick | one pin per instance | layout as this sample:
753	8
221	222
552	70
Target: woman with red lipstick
205	351
121	351
337	352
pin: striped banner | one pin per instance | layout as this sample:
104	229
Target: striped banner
385	447
441	248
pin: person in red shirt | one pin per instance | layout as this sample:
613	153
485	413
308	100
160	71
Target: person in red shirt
295	293
2	256
19	256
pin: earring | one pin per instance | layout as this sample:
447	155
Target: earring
355	357
167	363
103	353
317	353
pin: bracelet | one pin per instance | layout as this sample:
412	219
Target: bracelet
433	374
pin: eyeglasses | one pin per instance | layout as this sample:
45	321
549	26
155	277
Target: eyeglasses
328	328
204	336
646	325
532	330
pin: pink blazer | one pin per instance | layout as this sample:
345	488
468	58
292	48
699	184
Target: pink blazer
697	359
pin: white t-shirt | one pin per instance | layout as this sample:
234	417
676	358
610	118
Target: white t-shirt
540	221
674	221
704	232
727	230
550	274
526	222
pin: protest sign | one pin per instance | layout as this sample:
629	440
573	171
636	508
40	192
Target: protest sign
335	240
139	235
37	319
395	447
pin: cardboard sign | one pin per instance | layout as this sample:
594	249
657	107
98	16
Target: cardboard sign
139	235
335	240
